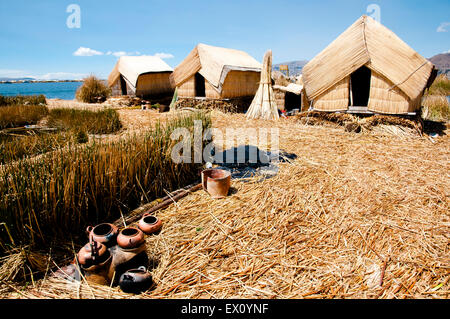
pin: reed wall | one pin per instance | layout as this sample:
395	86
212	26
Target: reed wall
335	99
240	83
153	84
236	84
384	98
187	88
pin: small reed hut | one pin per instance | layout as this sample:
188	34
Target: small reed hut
141	76
367	69
288	97
216	73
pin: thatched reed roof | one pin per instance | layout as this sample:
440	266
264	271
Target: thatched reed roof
131	67
213	63
367	42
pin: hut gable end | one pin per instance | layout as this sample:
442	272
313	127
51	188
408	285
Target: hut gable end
367	42
214	64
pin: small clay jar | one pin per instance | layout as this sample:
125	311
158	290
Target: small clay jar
150	224
130	237
105	234
135	280
93	253
216	182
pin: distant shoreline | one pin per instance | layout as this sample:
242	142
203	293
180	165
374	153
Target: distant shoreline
37	81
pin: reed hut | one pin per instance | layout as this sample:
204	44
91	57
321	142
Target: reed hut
288	97
141	76
216	73
367	69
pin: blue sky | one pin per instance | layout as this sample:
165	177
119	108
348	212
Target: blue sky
35	40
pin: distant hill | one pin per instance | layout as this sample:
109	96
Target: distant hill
295	67
442	62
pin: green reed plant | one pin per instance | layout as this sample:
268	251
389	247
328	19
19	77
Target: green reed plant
13	148
22	100
55	197
440	86
20	115
93	90
93	122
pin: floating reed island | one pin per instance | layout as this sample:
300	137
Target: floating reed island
353	216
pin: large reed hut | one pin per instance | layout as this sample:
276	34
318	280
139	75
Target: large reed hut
367	69
140	76
216	73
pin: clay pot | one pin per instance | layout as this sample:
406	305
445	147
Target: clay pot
130	237
135	280
150	224
104	233
93	253
124	259
216	182
70	272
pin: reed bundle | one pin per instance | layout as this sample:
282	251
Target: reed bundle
353	123
264	105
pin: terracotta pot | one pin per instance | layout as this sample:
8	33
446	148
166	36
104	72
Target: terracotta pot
150	224
93	253
125	259
103	233
135	280
130	237
216	182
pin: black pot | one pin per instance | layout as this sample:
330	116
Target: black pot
135	280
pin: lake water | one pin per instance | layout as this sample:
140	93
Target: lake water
52	90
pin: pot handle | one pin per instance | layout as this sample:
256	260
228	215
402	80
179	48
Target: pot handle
89	229
145	215
142	268
204	180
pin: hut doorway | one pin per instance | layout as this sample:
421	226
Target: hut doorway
292	101
123	85
199	85
360	87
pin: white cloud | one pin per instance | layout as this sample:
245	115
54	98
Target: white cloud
164	55
49	76
82	51
443	27
120	53
8	73
61	76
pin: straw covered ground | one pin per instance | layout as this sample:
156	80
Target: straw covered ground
353	216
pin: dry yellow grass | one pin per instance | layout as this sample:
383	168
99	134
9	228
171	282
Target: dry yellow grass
354	216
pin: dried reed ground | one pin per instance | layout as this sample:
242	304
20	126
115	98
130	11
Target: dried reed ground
354	216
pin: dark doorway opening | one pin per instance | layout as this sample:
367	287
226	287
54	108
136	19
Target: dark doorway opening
199	85
292	101
360	87
123	85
